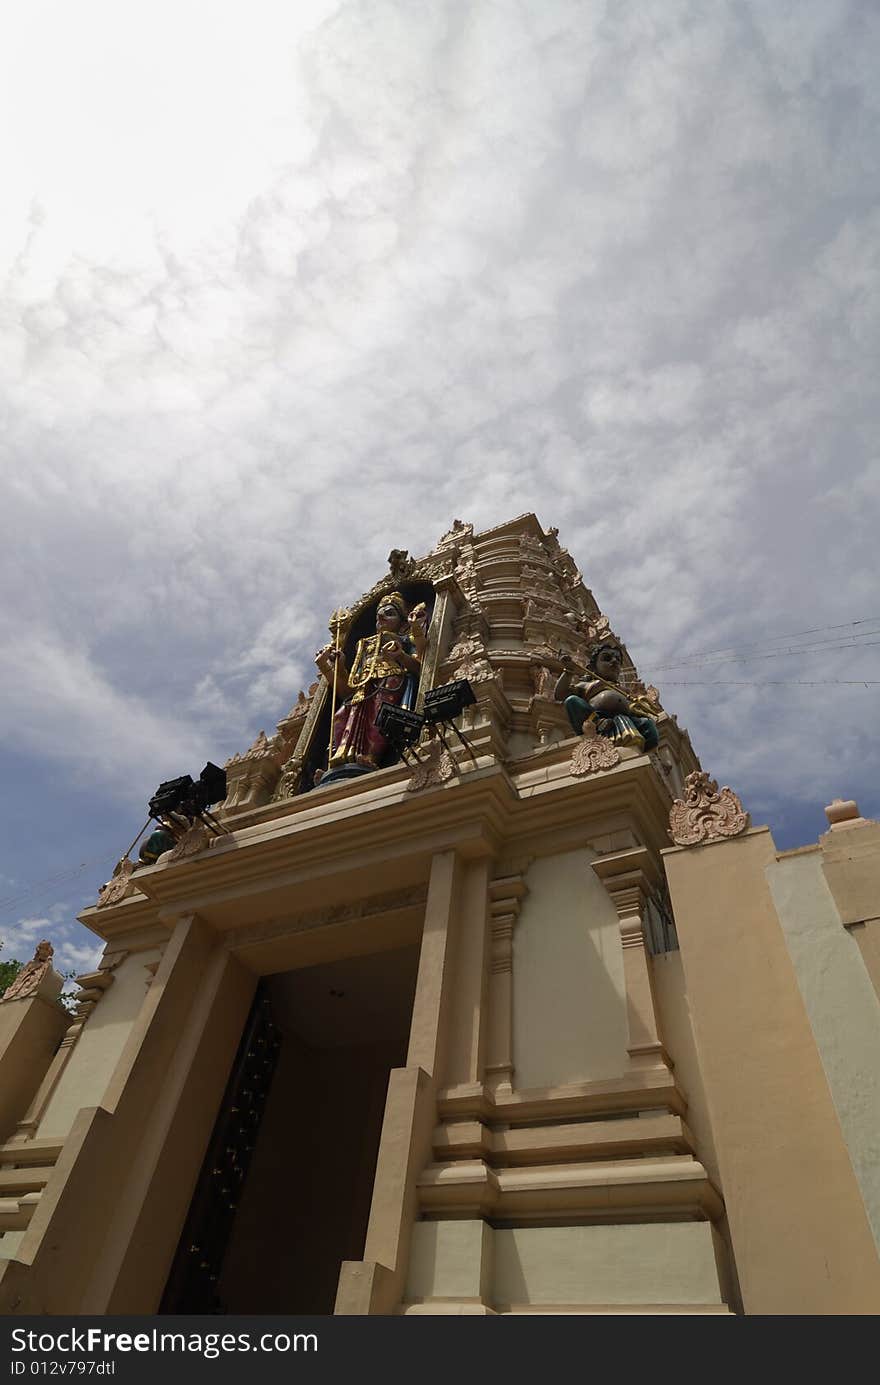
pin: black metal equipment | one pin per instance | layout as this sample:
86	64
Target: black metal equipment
400	727
443	705
190	799
447	703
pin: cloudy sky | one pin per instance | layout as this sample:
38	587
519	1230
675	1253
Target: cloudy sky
285	286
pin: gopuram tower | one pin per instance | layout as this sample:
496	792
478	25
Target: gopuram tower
483	999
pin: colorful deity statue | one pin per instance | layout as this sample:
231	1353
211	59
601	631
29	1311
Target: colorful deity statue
597	699
385	668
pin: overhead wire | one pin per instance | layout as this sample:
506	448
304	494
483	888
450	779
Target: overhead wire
773	683
855	642
786	635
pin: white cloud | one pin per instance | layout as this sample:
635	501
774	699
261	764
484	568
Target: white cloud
75	950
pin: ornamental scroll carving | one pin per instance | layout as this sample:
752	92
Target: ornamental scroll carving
35	976
194	840
593	753
119	885
437	769
706	813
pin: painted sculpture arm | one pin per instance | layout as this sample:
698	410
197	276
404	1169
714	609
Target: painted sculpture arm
394	650
325	659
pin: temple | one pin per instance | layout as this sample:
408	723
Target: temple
483	999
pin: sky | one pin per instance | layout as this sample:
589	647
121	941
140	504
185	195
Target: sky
285	286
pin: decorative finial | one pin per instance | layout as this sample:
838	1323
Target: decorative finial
706	813
843	812
37	976
400	564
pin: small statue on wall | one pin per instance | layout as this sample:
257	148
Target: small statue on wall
597	700
386	668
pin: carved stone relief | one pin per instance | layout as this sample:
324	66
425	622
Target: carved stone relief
593	753
456	535
119	886
196	839
437	768
36	976
706	813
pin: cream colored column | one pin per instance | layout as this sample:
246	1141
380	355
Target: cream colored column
30	1028
506	894
629	877
375	1284
93	985
465	1061
431	1006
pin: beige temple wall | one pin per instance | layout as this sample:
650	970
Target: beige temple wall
534	1268
842	1006
91	1064
103	1235
31	1029
799	1228
569	997
678	1038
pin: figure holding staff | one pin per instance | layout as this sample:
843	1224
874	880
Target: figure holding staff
386	668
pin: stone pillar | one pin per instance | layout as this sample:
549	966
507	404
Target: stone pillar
629	877
375	1284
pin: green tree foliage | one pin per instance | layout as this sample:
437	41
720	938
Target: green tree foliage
8	972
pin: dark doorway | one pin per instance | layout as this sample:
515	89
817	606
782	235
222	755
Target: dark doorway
305	1202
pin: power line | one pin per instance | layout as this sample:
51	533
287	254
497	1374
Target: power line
787	635
855	642
47	884
775	683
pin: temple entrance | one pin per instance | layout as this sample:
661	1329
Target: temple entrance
304	1204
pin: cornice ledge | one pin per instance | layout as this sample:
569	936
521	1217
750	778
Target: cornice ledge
412	828
116	920
640	1090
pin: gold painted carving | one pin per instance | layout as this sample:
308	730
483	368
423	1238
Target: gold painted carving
706	813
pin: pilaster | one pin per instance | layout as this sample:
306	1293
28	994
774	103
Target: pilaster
506	893
630	877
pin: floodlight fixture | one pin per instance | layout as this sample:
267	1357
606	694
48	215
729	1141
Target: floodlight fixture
400	727
189	799
449	701
444	705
